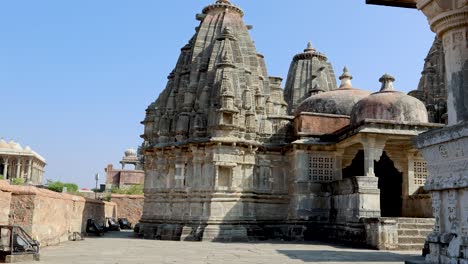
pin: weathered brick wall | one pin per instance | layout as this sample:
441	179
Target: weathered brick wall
52	217
130	206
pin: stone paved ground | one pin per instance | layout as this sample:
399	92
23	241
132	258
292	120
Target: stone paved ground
116	248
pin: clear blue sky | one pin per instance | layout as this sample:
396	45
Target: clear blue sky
76	76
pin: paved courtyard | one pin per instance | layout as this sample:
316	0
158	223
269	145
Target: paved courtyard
116	248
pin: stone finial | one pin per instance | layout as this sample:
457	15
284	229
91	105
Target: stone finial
226	2
309	48
387	83
346	78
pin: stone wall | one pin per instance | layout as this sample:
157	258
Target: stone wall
417	206
130	206
48	216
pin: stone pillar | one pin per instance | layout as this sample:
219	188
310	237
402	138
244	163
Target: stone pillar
449	20
5	168
446	150
373	149
18	169
29	170
339	164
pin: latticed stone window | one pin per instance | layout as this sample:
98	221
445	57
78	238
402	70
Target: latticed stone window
321	168
420	172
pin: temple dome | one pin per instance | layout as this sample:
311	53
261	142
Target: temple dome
388	104
338	102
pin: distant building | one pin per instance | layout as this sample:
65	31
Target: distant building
19	162
122	178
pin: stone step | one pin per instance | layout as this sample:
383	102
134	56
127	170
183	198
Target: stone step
416	226
411	240
412	247
416	220
414	232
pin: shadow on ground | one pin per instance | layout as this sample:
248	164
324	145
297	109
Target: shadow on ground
346	256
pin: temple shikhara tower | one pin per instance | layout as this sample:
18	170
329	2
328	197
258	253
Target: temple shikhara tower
229	157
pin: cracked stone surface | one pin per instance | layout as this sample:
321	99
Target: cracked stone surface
124	248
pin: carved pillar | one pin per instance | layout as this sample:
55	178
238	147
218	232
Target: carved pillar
198	158
373	149
449	20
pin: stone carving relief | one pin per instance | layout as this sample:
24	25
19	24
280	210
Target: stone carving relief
452	211
447	165
436	204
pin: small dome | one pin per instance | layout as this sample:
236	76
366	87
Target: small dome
15	146
388	104
338	102
130	153
4	144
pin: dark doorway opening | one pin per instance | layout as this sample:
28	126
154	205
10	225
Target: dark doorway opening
1	171
390	182
390	185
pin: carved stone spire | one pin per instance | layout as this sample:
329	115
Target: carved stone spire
219	84
308	70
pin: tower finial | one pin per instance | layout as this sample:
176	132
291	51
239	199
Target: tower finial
346	78
387	83
309	48
227	2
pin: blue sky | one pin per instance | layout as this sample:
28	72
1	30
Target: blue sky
76	76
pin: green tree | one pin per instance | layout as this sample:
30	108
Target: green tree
71	187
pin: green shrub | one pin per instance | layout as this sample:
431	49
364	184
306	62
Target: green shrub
132	190
2	177
17	181
57	186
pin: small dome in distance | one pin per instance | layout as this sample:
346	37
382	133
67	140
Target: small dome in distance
130	153
338	102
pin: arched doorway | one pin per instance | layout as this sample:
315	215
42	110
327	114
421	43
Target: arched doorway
390	182
390	185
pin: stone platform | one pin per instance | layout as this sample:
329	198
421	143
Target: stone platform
122	247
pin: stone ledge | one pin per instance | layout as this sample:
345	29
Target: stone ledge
22	258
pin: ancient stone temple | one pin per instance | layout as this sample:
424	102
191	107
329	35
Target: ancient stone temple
432	88
228	157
